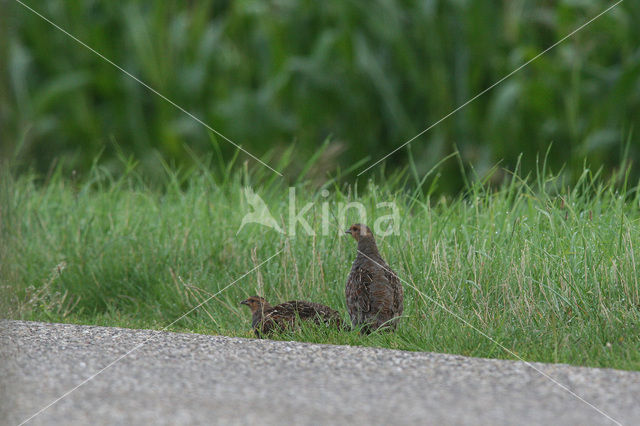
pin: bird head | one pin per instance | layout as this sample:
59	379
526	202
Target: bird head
357	231
255	303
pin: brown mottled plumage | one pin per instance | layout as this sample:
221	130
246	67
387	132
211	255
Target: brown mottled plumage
266	318
373	291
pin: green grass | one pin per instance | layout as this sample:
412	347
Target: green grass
548	271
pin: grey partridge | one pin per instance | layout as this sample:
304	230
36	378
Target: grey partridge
266	319
373	291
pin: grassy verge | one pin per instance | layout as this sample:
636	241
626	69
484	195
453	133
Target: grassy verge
548	271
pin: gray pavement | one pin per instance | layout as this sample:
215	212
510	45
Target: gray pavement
196	379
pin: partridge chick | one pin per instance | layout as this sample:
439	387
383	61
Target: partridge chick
373	291
266	318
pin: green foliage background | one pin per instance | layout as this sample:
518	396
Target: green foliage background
369	74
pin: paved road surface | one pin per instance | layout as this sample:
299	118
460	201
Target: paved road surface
196	379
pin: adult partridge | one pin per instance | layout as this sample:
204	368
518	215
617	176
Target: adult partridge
266	319
373	291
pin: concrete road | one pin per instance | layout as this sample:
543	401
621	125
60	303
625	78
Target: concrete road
195	379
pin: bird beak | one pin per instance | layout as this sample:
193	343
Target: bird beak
348	231
244	302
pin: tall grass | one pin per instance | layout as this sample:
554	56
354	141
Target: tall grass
548	270
269	73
